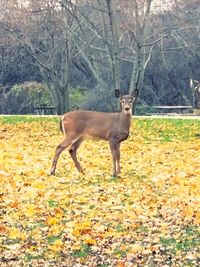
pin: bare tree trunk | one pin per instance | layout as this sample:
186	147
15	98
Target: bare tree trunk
60	97
108	35
115	63
137	76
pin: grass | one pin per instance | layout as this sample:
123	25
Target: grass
14	119
147	216
188	240
147	124
166	130
152	129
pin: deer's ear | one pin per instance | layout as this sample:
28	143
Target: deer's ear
135	93
193	84
196	82
117	93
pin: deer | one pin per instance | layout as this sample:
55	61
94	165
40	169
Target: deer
195	86
112	127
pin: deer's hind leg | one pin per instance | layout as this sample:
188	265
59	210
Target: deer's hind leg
67	142
72	152
59	149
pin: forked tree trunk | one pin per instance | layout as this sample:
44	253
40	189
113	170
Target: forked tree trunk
60	97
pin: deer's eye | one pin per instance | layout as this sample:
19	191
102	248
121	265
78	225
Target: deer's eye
130	101
123	101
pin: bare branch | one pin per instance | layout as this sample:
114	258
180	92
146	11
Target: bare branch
30	50
156	41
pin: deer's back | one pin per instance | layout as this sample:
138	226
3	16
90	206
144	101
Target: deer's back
90	123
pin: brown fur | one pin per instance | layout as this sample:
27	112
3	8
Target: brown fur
112	127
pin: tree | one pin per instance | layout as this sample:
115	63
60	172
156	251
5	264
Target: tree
114	44
38	28
110	33
96	40
177	59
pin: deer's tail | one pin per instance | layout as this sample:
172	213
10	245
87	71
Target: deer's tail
61	125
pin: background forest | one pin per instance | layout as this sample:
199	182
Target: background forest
73	53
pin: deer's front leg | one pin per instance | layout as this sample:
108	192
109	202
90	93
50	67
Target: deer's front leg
118	158
114	147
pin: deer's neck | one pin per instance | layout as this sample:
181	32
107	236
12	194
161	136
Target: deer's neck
125	121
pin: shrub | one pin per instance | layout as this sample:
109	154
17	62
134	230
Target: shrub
77	97
22	98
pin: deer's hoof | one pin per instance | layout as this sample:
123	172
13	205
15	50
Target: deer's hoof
52	172
116	175
81	171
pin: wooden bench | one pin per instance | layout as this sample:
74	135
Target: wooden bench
179	109
44	110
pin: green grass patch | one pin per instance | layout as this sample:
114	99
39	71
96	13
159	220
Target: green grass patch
52	239
14	119
29	257
52	204
167	130
150	129
83	252
189	240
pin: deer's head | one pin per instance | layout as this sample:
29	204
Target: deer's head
194	84
127	101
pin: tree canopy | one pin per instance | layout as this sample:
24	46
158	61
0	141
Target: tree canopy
101	46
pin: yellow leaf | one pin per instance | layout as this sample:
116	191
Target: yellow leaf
134	225
31	248
137	208
85	225
189	212
19	156
58	213
82	228
123	247
55	230
30	212
39	185
197	218
136	248
90	241
56	246
76	232
14	233
42	173
52	220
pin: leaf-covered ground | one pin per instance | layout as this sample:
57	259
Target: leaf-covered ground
149	216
